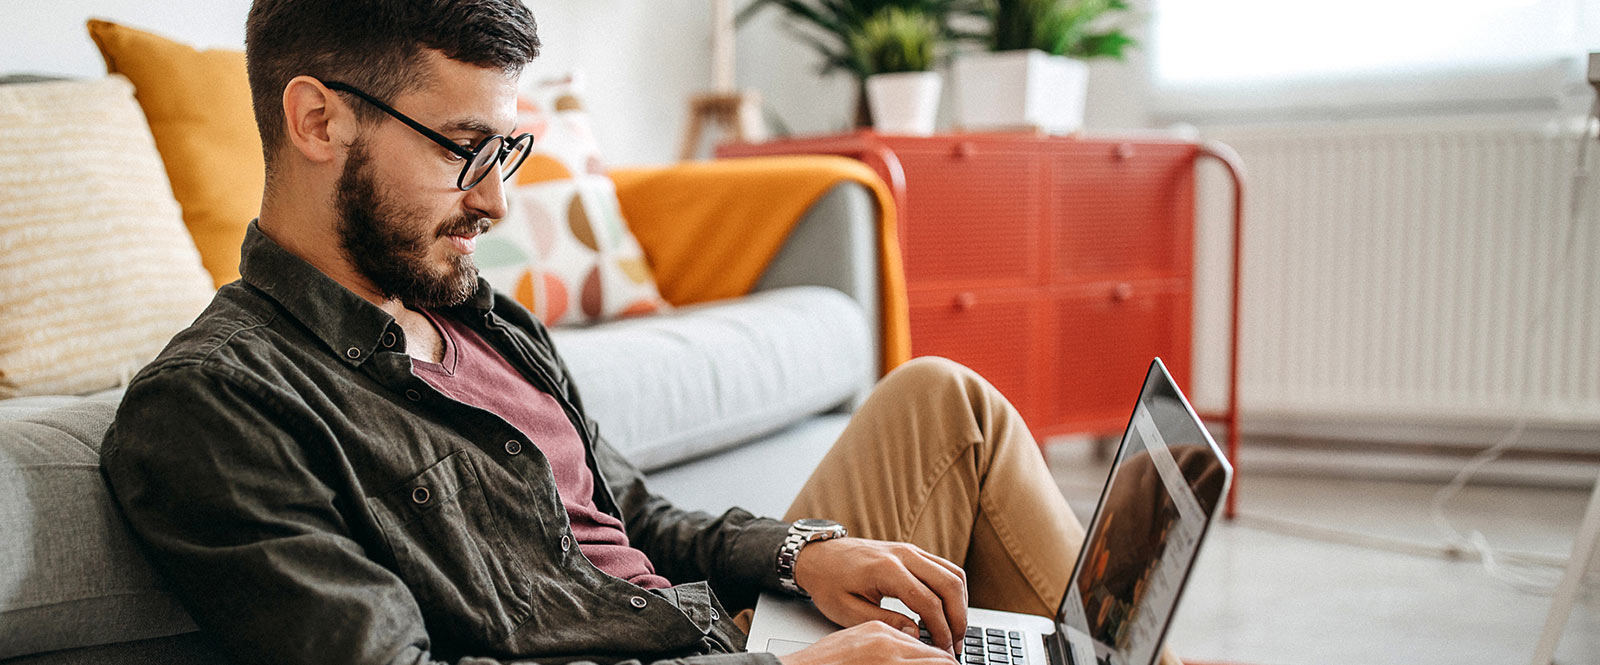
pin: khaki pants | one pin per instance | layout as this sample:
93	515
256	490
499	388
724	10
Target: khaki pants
938	458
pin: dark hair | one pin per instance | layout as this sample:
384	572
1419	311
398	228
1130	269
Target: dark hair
375	45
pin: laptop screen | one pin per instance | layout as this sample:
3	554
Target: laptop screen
1165	484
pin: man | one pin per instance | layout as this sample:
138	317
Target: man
323	483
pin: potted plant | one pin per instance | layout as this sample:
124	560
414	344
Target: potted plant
1034	74
896	48
829	26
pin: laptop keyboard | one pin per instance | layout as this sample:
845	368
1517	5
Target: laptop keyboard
987	646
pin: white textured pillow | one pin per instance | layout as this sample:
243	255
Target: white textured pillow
97	271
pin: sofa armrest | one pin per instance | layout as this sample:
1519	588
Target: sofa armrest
836	245
722	228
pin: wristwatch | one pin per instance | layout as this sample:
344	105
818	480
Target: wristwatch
804	531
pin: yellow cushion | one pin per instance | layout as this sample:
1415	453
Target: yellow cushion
96	270
198	107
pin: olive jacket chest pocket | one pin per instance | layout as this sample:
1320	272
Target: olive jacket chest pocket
450	549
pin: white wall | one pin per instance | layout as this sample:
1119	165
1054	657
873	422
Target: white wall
641	60
49	37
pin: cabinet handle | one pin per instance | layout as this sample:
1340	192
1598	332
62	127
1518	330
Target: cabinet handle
964	149
1124	152
1122	292
965	301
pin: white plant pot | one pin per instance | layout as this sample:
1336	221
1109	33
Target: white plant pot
1020	90
904	102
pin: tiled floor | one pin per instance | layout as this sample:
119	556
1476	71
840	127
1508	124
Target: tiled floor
1262	596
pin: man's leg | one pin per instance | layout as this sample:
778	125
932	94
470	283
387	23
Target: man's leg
938	458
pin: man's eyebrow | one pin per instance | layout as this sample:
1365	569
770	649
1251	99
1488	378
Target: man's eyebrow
473	125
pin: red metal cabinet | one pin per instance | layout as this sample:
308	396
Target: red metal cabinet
1056	267
1104	336
971	220
989	330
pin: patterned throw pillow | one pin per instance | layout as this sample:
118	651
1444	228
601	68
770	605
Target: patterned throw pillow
564	250
97	271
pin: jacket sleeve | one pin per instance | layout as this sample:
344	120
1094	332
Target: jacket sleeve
224	483
735	552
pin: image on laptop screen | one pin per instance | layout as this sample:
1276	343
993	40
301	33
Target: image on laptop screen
1164	486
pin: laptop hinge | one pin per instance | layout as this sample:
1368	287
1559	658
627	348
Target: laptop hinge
1058	655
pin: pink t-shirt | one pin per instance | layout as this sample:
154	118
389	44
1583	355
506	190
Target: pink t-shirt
472	372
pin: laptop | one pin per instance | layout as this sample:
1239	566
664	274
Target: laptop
1165	486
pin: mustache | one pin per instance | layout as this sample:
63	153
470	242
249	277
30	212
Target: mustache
465	227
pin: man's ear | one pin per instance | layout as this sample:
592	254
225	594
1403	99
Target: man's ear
319	124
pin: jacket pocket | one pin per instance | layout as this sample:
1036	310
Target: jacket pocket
450	552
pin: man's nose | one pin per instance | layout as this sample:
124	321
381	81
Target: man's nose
488	197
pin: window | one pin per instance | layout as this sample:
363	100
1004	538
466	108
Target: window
1289	57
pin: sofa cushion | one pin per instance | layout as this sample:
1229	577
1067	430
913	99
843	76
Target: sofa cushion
675	386
186	649
96	269
71	574
763	477
23	408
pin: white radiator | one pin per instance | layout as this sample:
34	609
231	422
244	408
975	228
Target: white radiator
1393	275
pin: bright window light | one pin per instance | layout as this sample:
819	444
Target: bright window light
1268	47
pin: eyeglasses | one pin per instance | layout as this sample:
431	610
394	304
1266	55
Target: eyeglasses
508	152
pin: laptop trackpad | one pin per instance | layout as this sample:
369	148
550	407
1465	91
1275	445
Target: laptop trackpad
779	647
785	625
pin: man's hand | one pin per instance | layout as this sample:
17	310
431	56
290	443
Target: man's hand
848	577
869	643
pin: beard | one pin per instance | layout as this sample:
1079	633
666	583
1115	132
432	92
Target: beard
385	243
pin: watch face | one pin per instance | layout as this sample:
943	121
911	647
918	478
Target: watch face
814	524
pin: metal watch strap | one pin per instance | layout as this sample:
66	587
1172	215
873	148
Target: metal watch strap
786	556
790	551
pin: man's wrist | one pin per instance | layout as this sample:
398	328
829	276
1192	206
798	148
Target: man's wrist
801	533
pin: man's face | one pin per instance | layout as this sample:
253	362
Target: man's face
402	222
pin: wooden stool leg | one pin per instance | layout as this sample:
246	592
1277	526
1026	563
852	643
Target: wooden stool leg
736	115
691	133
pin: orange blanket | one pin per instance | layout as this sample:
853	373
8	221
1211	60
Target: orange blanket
709	229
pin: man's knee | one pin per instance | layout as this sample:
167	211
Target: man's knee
929	371
944	390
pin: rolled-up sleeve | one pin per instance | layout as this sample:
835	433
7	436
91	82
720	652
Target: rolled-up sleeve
736	552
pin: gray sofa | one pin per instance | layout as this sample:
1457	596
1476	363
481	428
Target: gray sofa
729	403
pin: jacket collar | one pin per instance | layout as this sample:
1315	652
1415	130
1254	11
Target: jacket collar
352	328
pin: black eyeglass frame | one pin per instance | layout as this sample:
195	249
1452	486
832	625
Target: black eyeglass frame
471	156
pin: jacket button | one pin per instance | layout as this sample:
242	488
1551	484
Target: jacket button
513	447
388	340
566	543
413	395
420	495
353	352
637	602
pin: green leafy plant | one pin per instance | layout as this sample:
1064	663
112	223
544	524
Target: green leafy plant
1057	27
830	27
895	40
